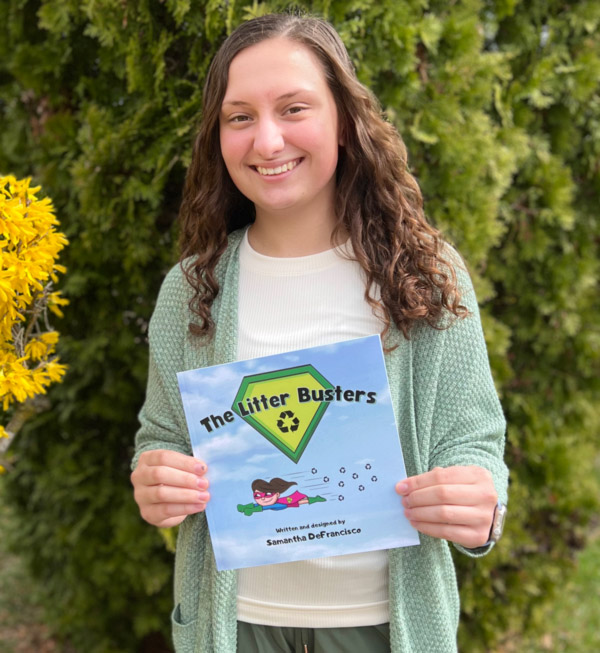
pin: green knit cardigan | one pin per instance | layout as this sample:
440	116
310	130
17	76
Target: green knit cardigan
448	414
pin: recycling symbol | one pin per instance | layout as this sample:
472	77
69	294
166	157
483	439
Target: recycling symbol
287	421
270	404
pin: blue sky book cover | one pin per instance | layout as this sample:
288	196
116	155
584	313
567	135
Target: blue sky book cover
303	454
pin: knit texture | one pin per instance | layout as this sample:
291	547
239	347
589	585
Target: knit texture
448	414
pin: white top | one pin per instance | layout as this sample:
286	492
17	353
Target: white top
286	304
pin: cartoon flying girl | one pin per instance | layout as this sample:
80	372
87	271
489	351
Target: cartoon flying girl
268	496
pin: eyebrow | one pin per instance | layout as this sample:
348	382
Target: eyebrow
284	96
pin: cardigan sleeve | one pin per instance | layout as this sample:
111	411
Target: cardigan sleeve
173	349
468	425
162	421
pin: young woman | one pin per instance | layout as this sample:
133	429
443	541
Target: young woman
301	226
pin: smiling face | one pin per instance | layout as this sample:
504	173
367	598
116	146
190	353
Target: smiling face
266	498
279	131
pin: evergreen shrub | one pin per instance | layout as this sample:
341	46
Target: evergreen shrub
499	104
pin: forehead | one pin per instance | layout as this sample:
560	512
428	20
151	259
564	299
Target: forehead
273	67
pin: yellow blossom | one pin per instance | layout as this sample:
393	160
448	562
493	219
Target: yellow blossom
35	349
29	249
50	337
54	301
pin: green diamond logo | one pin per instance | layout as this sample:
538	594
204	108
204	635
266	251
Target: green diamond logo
270	403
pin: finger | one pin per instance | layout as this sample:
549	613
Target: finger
167	510
174	459
469	474
158	514
169	468
171	495
171	476
462	495
169	523
464	535
450	515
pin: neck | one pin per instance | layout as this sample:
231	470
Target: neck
287	236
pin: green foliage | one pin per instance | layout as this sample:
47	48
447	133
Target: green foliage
499	104
545	275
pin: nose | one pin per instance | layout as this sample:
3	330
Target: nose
268	138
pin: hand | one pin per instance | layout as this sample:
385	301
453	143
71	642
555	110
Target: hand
249	508
453	503
169	486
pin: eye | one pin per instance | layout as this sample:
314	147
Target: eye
268	494
295	109
238	118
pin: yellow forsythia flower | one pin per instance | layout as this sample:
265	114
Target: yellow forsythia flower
3	434
29	249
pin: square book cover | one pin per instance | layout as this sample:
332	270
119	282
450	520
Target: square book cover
303	454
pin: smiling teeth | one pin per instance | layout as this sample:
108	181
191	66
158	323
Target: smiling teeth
278	170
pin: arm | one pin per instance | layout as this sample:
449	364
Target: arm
169	483
455	500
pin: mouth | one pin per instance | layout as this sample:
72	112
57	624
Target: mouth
277	170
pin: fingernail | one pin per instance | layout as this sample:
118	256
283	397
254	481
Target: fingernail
200	468
203	497
202	483
402	488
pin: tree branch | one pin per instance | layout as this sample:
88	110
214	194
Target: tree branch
22	414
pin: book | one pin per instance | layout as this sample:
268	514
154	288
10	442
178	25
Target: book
303	454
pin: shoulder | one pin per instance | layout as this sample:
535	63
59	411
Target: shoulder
176	276
169	319
176	292
175	283
173	291
451	330
172	301
230	255
455	264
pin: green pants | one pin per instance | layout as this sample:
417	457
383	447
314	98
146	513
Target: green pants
253	638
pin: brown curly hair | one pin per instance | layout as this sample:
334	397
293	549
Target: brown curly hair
378	202
275	485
